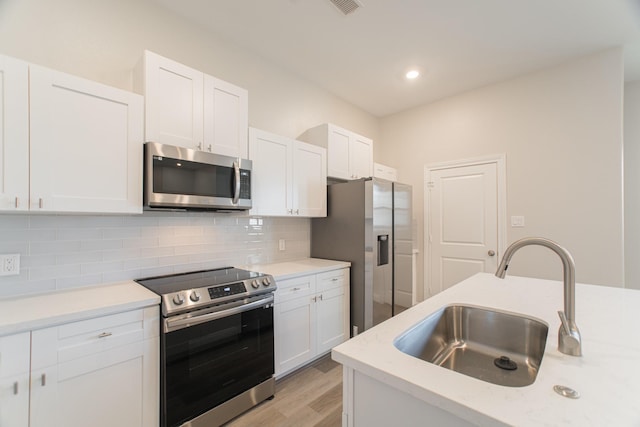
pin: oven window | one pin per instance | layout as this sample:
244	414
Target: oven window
207	364
173	176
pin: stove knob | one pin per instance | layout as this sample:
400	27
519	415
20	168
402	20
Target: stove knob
178	299
195	296
266	281
255	284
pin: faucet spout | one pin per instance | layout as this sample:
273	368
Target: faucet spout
569	338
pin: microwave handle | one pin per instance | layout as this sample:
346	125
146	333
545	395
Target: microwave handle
236	177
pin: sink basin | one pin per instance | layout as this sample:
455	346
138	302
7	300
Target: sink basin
490	345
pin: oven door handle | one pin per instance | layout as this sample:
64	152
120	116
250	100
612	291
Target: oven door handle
180	322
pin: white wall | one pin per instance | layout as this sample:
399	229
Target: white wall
103	40
632	184
561	131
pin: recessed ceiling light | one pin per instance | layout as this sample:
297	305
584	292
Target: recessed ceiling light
412	74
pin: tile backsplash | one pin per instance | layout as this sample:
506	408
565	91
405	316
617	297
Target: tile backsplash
67	251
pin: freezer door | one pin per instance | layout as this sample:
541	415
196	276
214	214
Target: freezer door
403	272
382	239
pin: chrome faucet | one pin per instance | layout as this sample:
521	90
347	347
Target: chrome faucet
569	339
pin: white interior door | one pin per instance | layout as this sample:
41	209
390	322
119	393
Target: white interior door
462	223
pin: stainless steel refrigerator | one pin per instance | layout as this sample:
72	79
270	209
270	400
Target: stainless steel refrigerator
368	223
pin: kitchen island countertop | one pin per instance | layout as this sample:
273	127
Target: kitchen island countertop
607	376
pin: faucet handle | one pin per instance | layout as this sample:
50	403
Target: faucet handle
569	338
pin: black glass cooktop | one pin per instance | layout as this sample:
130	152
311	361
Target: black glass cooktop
198	279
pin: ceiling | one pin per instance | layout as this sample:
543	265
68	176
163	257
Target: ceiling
457	45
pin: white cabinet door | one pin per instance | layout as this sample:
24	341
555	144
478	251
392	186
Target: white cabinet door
295	333
272	173
14	379
360	157
173	102
338	153
86	145
14	135
103	370
226	118
309	180
330	319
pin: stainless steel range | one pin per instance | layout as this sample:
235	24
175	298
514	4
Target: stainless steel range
216	353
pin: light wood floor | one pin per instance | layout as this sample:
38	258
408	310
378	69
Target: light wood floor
310	397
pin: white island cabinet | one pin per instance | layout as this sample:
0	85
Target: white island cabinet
188	108
383	385
98	364
311	313
289	176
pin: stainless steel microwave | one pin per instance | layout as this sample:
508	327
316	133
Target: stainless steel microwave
179	178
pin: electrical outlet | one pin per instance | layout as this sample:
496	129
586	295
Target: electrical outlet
517	221
281	244
10	265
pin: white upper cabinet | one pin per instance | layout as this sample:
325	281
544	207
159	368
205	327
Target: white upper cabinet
226	118
289	176
350	156
14	135
188	108
85	145
173	102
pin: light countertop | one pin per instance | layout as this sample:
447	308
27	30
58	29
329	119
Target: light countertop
27	313
290	269
607	376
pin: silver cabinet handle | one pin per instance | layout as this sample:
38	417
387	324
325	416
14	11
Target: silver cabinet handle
44	380
200	146
297	211
314	299
290	211
335	279
209	148
295	289
320	296
17	202
40	203
15	387
105	334
491	252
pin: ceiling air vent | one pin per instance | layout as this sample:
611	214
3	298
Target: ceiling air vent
346	6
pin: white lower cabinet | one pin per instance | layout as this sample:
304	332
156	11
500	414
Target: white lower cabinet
14	379
101	372
311	317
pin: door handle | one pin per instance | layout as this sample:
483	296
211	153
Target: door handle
491	252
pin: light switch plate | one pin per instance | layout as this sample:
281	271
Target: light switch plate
517	221
9	265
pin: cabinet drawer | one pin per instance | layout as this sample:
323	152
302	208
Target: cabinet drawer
332	279
294	288
14	354
77	339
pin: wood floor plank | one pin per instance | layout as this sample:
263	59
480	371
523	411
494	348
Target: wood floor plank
310	397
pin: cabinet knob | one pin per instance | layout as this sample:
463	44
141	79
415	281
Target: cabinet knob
491	252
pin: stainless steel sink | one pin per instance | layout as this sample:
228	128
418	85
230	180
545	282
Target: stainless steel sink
490	345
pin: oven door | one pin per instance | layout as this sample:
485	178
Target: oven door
210	358
177	177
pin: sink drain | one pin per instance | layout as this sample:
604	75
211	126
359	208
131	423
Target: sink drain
503	362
